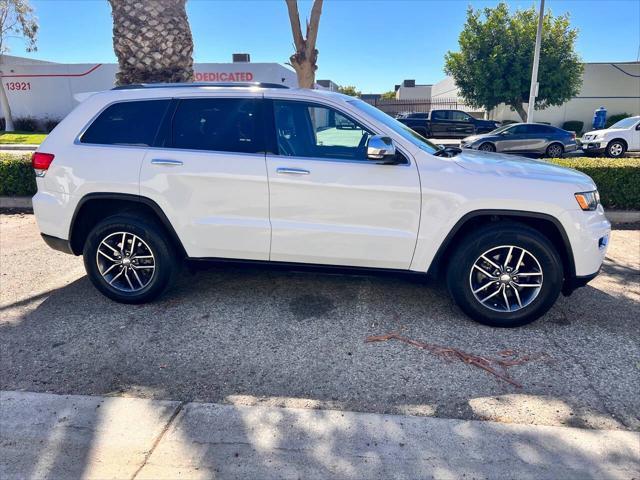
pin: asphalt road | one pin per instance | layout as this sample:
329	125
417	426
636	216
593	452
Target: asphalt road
259	337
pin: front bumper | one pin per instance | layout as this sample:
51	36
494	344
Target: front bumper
588	234
595	147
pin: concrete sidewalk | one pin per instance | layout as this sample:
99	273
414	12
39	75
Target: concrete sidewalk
60	436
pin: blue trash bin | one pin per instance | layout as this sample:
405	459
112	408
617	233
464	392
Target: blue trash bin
599	118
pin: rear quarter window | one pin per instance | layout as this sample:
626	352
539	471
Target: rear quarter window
127	123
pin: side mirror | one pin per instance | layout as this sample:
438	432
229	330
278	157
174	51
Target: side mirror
379	148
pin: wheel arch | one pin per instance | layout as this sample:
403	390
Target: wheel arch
94	207
619	139
489	142
544	223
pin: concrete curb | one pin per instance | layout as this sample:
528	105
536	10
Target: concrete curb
20	203
18	146
76	436
616	217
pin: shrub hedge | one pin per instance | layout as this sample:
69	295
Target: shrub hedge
573	126
16	175
618	180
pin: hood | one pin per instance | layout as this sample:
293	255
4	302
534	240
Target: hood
605	131
513	166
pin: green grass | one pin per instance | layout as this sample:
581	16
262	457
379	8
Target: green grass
22	138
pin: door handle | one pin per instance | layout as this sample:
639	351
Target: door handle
292	171
166	162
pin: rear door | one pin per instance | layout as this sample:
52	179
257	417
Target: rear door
209	176
328	203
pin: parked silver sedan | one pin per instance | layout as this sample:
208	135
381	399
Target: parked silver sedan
530	138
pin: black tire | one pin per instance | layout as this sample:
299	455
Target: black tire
469	250
555	150
152	239
487	147
616	149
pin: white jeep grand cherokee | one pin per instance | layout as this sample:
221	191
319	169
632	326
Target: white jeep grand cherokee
137	179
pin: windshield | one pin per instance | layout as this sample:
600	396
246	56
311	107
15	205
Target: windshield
399	128
625	123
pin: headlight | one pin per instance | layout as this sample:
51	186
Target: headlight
588	201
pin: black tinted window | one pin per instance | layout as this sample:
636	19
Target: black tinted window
127	123
438	115
219	124
418	115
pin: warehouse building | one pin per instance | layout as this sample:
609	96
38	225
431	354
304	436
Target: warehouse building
46	90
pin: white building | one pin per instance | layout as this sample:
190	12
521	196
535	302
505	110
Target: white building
409	90
615	86
46	90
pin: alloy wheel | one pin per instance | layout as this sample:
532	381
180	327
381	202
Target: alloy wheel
507	278
555	151
616	149
486	147
125	261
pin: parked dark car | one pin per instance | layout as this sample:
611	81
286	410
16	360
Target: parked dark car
529	138
446	123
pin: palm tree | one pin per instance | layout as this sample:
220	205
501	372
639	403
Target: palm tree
152	40
304	61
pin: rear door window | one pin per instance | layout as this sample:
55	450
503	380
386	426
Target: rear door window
127	123
219	124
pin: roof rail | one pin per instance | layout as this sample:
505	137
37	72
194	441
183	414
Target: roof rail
135	86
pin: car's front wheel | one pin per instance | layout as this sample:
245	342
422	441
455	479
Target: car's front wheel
505	275
616	149
129	259
487	147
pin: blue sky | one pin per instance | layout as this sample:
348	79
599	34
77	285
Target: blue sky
370	44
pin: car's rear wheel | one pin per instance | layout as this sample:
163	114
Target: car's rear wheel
487	147
616	148
129	259
555	150
505	275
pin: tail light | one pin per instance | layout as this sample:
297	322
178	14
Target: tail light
41	162
573	135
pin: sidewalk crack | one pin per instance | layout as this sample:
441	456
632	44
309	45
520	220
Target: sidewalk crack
158	440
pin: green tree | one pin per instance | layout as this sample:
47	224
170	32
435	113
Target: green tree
495	59
390	95
152	41
350	90
16	21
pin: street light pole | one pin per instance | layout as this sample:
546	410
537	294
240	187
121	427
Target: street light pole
533	92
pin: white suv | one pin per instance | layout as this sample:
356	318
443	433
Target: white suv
137	179
615	141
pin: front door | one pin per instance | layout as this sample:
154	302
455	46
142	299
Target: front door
210	178
328	203
514	139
